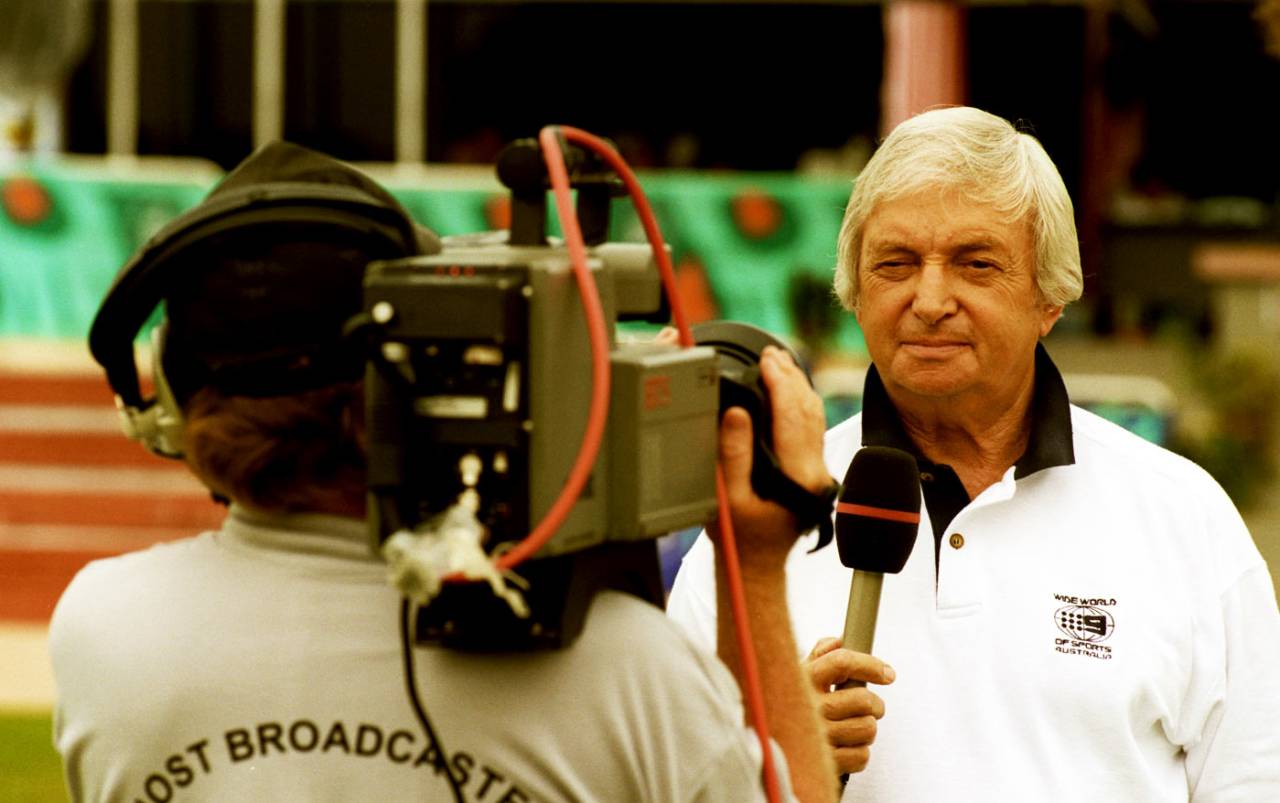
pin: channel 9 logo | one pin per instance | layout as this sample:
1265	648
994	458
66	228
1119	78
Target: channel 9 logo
1085	623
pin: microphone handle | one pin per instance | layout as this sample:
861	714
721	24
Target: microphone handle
860	618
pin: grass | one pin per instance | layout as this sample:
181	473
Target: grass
30	771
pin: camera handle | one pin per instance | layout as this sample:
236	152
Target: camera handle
738	346
522	169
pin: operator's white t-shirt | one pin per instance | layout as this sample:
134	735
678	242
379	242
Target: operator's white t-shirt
262	663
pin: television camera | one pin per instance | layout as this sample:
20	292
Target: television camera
478	386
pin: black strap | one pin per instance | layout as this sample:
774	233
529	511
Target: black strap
810	509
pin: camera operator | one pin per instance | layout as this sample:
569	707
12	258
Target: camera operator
262	661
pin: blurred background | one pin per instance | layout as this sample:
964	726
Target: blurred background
748	122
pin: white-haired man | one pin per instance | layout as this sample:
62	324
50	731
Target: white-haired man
1085	616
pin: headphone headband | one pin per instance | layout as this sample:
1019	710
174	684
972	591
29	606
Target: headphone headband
148	277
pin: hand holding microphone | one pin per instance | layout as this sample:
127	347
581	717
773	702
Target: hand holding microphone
877	514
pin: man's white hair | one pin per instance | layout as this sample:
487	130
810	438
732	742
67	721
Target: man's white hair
991	162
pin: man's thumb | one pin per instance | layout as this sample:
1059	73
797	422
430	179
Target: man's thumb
735	445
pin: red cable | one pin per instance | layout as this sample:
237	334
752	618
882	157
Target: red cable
598	412
746	650
728	546
647	219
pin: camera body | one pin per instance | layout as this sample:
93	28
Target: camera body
478	388
480	384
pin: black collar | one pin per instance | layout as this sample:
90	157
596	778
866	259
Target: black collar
1049	444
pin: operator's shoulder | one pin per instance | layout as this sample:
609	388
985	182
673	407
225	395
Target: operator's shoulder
622	620
620	624
107	582
651	658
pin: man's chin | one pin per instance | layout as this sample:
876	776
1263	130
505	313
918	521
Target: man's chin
938	379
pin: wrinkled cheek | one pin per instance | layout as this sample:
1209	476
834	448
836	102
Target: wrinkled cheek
881	342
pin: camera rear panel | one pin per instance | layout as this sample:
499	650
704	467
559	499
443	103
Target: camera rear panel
449	393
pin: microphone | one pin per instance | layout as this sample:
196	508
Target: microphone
877	515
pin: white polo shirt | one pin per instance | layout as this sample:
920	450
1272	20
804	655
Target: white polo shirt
1103	630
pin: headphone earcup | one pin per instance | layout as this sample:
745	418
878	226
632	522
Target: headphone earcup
160	426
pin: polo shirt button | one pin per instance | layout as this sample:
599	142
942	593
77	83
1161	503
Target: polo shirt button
957	540
926	476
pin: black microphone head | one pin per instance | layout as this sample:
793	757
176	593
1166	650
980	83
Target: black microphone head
878	511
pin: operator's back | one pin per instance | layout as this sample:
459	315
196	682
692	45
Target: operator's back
263	662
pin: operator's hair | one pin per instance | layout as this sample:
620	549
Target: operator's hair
283	454
991	162
271	395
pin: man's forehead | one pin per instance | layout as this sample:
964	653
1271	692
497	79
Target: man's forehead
967	238
950	221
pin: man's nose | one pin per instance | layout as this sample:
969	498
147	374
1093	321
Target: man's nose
934	297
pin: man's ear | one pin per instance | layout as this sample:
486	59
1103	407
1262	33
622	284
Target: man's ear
1050	316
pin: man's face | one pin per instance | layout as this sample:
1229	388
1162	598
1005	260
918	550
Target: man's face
947	298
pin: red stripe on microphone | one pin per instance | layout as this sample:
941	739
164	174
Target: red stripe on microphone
878	513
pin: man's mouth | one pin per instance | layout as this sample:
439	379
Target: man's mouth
934	347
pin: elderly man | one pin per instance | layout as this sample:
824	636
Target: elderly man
1085	616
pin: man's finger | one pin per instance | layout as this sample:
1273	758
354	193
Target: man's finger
853	702
824	646
799	419
782	377
736	446
852	759
842	665
856	732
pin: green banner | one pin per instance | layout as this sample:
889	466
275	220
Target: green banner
752	247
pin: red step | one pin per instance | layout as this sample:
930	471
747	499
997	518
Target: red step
76	448
63	502
106	509
32	580
56	389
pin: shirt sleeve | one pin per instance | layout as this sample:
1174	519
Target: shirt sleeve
1237	757
77	673
692	603
738	775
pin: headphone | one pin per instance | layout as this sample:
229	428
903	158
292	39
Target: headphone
357	210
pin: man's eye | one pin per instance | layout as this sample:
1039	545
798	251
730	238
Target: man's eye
980	264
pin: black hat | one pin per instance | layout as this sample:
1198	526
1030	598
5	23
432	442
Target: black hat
259	278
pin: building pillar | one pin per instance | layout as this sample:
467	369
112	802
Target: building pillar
924	59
